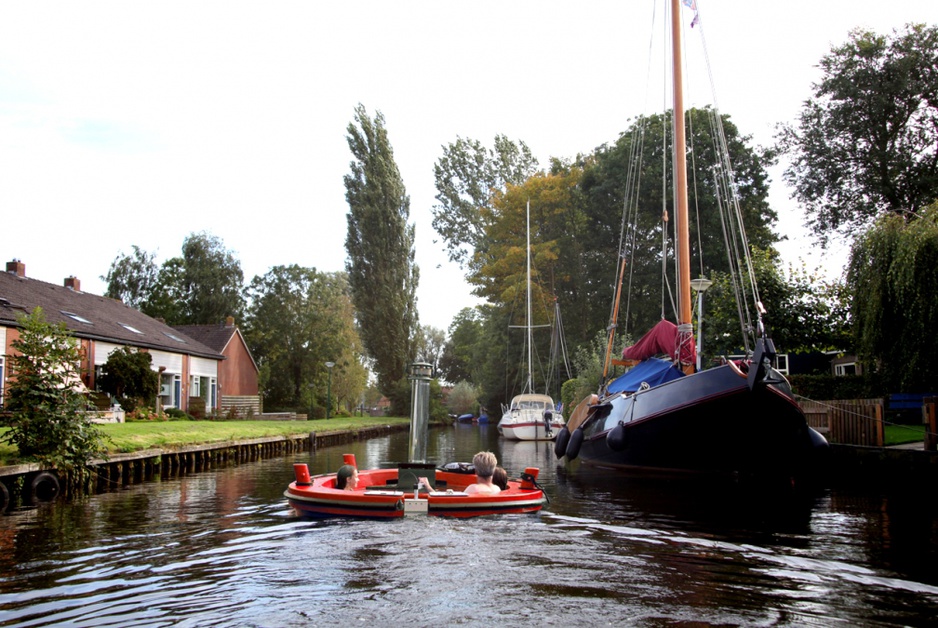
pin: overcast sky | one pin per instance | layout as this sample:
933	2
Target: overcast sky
127	123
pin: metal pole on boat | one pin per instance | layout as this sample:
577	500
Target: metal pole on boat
700	285
420	375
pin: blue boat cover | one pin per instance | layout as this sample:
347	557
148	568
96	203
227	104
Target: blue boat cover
653	370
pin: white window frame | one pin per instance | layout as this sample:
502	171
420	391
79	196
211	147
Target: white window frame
840	369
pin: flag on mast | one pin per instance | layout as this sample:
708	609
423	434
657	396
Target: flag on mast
692	5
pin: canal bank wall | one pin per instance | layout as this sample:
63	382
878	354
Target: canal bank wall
27	484
910	464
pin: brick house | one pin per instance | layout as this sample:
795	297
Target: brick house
237	375
189	370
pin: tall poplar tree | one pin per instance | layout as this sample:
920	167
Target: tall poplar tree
380	245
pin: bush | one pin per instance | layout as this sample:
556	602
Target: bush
197	408
175	414
128	376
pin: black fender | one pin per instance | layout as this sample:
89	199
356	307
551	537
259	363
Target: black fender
576	440
616	438
560	445
44	487
4	498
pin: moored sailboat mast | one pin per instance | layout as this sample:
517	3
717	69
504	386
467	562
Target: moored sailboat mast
680	180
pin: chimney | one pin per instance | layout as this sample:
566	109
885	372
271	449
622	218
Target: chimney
229	322
16	267
73	283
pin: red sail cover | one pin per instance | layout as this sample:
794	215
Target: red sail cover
663	338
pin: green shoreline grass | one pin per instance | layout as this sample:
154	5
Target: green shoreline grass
140	435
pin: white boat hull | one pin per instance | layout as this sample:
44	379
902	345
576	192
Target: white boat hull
525	419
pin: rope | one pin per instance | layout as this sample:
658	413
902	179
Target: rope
924	432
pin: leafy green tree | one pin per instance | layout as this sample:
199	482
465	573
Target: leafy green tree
891	277
467	175
298	320
380	243
805	312
463	398
201	287
49	416
430	342
458	357
629	173
210	282
128	376
867	142
132	278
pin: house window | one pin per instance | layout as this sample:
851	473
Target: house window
129	328
2	381
80	319
845	369
213	395
781	363
170	390
195	386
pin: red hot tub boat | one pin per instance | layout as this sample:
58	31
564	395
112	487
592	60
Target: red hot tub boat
390	493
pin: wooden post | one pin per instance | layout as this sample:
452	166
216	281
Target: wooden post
931	423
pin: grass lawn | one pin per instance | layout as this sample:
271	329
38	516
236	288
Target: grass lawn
895	434
136	436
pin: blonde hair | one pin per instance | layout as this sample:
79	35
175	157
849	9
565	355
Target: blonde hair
484	463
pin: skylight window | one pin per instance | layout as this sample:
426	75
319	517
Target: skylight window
174	337
129	328
80	319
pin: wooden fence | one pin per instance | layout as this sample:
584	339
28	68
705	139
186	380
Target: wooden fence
241	406
847	421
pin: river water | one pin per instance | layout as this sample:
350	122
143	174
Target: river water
223	548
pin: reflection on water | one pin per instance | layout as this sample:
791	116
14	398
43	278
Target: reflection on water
222	548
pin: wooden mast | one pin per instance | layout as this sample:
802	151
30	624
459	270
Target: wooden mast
680	172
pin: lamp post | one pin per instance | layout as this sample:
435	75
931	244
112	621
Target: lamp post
420	375
329	366
700	286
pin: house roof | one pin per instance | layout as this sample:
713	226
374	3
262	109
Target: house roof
216	336
91	316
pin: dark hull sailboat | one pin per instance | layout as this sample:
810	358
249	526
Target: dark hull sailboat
709	422
738	419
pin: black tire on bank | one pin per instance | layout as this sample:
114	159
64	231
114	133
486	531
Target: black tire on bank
44	487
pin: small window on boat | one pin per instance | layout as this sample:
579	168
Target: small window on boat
80	319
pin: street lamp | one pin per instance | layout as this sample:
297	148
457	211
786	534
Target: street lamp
329	366
700	285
